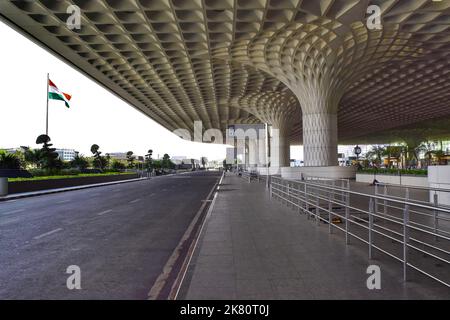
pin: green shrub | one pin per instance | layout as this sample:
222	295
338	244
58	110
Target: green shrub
38	172
117	165
69	172
393	171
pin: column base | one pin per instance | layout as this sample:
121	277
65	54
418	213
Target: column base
330	172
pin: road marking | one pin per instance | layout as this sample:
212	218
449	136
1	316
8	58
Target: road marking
104	212
62	201
163	278
135	200
12	212
47	234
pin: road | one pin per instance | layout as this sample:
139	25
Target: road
120	236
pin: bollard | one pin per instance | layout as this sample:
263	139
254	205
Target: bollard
3	186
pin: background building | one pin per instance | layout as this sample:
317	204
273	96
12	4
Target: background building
66	154
118	156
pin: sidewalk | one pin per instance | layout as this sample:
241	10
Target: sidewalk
255	248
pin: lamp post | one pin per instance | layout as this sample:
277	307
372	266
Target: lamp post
357	151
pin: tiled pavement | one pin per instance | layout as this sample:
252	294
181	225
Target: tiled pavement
255	248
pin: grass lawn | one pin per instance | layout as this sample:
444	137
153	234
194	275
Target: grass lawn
81	175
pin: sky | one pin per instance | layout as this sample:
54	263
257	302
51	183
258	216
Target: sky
95	114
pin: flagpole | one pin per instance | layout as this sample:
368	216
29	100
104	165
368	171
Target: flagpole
46	118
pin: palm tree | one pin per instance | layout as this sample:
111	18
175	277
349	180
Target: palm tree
32	156
79	162
9	161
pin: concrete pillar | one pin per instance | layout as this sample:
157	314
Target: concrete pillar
262	152
280	146
253	152
320	139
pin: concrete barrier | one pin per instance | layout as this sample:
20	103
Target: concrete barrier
406	180
3	186
331	172
271	171
37	185
439	177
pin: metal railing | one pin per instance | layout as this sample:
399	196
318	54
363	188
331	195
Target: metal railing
432	196
410	232
250	175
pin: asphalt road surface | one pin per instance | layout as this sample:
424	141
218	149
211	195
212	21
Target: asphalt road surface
120	237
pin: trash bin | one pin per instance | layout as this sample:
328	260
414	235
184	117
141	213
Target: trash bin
3	186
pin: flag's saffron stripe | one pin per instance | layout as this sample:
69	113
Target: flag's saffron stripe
55	94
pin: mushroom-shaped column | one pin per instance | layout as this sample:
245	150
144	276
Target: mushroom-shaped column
320	132
279	109
327	47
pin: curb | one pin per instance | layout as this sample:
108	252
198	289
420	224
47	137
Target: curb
50	191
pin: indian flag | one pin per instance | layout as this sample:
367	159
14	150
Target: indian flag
55	94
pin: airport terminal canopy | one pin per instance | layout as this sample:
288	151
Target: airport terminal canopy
312	68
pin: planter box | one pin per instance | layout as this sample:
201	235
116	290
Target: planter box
408	180
329	172
439	177
36	185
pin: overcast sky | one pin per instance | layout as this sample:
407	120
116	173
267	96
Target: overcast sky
95	115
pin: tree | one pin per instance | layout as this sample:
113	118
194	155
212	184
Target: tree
107	160
375	154
438	154
130	159
157	164
166	163
32	156
413	151
149	160
79	162
99	161
49	159
393	152
9	161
